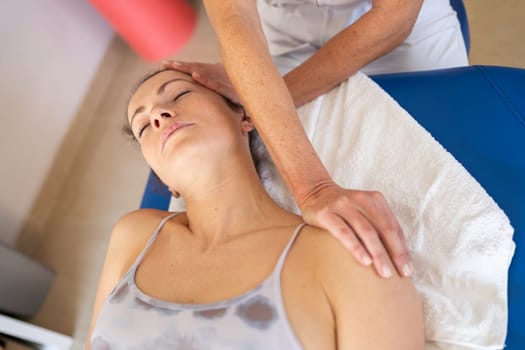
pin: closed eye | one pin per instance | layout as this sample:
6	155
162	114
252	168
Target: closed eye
180	95
141	131
143	128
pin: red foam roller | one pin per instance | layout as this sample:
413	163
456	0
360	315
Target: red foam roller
155	29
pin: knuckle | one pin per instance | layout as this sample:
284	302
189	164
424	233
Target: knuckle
344	234
367	233
403	256
343	201
317	216
379	255
377	196
360	196
344	231
324	212
340	232
355	248
390	231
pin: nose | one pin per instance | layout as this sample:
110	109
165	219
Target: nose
158	116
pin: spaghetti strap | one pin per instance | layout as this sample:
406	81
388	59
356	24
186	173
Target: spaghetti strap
255	319
152	239
282	258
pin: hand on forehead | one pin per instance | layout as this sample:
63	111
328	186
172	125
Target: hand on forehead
155	84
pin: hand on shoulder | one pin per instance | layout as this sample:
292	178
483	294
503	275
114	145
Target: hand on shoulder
370	312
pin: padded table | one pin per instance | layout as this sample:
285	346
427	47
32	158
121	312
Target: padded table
478	114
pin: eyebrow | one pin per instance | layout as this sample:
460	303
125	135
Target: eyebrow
159	91
163	86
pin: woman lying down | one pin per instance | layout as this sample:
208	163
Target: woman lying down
235	271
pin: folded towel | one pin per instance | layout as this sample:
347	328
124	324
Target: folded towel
461	241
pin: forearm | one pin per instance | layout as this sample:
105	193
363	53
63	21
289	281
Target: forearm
265	95
376	33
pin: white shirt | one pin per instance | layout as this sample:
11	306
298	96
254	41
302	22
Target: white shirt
296	29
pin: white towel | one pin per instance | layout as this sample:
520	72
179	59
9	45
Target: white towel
460	240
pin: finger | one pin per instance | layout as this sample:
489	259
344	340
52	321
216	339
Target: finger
209	83
217	86
167	63
368	235
213	84
180	66
396	245
346	235
390	232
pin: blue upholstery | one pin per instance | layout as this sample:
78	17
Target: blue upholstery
156	195
459	7
478	115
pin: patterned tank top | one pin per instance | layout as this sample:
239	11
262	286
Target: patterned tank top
255	320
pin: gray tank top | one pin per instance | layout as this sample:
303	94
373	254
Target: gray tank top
255	320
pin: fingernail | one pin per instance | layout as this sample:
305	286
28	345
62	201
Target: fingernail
408	269
196	75
177	63
386	271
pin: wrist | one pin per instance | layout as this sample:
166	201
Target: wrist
314	191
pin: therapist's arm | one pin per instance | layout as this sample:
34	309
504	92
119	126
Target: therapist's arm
375	34
354	217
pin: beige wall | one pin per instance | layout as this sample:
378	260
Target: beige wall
497	32
50	51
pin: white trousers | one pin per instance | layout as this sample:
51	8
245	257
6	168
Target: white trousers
296	29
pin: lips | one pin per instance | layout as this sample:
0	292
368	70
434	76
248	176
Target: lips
170	130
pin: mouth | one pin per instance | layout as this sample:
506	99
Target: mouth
172	129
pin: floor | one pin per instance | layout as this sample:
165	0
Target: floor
99	174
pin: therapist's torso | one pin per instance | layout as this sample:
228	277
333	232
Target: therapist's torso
295	29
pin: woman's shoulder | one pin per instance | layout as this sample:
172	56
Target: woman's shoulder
326	256
335	264
133	230
357	295
322	244
146	217
137	226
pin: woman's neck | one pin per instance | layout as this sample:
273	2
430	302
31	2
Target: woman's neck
230	204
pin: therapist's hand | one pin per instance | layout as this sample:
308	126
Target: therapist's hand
211	75
364	223
361	220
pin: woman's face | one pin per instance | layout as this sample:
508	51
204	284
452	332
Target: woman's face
179	123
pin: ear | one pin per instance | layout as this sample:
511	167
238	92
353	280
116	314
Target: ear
174	193
247	124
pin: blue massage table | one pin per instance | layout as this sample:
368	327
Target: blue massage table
478	114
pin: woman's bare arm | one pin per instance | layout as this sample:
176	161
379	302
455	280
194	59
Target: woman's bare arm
128	237
351	216
371	313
